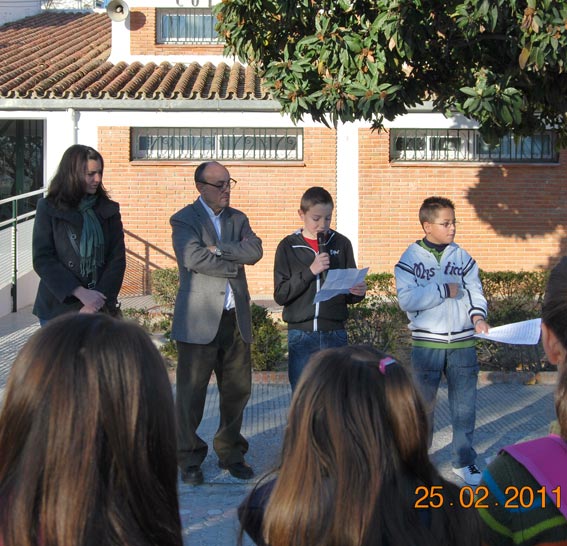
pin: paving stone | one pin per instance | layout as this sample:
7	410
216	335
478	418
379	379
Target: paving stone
506	413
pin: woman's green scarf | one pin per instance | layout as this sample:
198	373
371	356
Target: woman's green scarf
91	247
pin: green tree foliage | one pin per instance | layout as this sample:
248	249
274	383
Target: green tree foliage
499	62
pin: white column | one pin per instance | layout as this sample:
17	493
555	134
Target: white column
120	48
347	182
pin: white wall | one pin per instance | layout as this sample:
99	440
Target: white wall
347	182
171	3
66	127
12	10
121	35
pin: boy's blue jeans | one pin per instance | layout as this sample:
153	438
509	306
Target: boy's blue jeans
460	367
301	345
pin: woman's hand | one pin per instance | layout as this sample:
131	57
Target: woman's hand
86	309
92	300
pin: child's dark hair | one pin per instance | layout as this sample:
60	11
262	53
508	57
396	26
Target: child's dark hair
315	196
554	316
430	207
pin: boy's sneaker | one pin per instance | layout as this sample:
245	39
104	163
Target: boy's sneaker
470	474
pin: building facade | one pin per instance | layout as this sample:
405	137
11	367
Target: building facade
154	94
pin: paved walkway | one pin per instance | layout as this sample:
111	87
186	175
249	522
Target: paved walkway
507	413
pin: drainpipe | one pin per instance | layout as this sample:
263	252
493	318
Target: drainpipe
74	116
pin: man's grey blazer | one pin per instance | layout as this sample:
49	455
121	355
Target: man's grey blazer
202	275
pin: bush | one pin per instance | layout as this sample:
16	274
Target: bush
267	348
165	283
378	320
151	320
512	297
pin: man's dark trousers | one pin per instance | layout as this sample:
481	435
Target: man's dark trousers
229	357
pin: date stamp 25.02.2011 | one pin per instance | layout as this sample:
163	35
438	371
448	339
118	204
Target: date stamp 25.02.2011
432	497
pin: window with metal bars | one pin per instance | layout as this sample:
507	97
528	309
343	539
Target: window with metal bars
186	26
21	156
468	145
228	144
22	146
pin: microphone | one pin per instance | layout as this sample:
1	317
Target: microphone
322	243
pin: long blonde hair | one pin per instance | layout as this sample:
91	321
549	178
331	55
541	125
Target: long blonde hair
355	449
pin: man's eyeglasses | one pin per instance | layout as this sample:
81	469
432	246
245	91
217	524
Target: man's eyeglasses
221	185
446	225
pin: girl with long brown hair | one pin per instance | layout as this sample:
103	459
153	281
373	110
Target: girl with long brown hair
354	456
87	439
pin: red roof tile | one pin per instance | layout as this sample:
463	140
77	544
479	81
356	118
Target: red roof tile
65	55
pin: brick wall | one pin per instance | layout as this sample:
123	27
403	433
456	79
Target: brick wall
143	38
150	192
511	217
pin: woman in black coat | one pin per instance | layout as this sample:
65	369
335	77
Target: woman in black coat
78	240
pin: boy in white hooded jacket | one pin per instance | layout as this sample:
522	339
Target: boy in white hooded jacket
439	288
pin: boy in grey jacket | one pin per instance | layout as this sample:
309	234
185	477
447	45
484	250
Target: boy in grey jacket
439	288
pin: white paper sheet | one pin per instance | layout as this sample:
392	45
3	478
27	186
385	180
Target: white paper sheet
339	281
526	332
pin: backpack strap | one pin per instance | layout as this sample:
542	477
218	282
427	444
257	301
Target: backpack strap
546	460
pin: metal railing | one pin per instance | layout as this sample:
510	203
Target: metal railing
11	239
72	4
217	143
187	26
468	145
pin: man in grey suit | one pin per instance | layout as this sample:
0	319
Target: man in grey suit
211	322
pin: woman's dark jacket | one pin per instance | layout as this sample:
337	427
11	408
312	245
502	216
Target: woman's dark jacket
57	263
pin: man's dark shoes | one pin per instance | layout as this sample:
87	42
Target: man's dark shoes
242	470
193	475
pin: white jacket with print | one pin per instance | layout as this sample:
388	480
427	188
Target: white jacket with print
422	293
